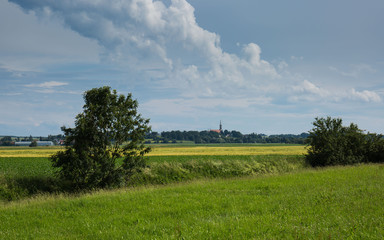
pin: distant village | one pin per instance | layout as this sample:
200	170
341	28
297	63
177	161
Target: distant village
198	137
51	140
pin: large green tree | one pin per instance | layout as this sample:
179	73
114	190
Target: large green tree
109	128
331	143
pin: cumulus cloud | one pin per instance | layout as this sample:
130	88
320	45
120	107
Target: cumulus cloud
367	96
149	34
308	91
309	87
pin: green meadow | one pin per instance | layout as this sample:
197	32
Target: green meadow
331	203
182	196
23	177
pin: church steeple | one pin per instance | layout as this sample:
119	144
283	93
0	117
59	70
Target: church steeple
221	127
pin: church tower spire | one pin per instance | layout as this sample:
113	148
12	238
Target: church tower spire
221	127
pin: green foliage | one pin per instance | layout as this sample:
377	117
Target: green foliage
331	143
375	148
211	137
164	172
333	203
108	121
33	143
6	141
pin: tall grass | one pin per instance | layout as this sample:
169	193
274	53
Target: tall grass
332	203
23	177
218	167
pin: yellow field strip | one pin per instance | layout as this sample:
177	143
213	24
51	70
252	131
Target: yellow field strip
172	151
254	150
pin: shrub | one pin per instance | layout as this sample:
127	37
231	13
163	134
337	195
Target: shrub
33	144
331	143
375	148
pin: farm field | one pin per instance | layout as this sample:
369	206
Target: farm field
27	172
331	203
174	150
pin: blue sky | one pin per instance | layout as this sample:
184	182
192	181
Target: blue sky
257	65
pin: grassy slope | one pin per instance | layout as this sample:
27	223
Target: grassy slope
335	203
41	166
25	177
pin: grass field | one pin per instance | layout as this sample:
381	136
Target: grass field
22	177
222	192
41	166
25	171
170	150
332	203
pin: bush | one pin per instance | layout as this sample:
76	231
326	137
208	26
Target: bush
33	144
375	148
331	143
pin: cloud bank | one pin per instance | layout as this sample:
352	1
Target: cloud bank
151	35
157	49
164	41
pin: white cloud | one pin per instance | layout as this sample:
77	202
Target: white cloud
308	91
50	84
28	43
189	106
308	87
163	45
355	70
145	33
282	65
367	96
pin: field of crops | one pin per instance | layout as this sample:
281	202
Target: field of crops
173	151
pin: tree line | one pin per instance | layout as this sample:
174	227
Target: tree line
205	137
198	137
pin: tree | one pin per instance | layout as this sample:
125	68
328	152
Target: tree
331	143
108	128
6	141
33	143
375	148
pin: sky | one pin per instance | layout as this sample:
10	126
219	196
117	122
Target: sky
258	66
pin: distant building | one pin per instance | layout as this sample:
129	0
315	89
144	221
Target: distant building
220	130
39	143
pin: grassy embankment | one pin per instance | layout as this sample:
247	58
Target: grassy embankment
332	203
25	171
